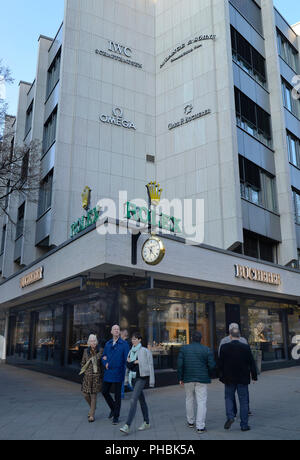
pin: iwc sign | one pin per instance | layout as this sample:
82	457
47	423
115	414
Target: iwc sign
188	117
117	119
120	52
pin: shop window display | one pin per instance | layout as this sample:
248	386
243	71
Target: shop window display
49	330
167	322
294	328
266	333
20	346
96	314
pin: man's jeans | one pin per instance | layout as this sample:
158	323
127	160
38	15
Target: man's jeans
114	405
138	395
196	394
243	394
235	406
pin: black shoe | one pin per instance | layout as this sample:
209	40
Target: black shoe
250	413
204	430
247	428
228	424
191	425
115	421
111	415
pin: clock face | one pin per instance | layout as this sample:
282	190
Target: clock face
153	251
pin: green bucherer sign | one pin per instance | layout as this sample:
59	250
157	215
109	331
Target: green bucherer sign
133	212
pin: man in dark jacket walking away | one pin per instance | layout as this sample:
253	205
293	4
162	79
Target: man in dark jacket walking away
195	362
236	364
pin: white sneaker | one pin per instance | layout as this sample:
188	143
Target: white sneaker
125	429
144	426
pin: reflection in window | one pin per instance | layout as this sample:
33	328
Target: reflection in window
294	327
21	340
49	329
93	316
266	333
167	324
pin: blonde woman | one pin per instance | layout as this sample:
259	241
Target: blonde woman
92	370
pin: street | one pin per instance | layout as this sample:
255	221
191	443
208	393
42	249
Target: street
34	406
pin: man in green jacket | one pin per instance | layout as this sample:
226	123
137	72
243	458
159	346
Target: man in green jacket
195	362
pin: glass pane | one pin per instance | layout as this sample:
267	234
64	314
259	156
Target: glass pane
266	335
49	330
94	315
21	339
294	328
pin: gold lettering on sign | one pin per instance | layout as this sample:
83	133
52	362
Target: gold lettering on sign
32	277
253	274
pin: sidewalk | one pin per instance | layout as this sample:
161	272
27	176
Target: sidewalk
40	407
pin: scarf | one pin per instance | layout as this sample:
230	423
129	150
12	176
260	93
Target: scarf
133	356
92	360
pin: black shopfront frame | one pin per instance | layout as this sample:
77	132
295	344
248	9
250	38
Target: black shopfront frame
164	376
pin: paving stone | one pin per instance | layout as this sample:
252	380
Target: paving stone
40	407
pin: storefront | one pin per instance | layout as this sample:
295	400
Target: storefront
51	335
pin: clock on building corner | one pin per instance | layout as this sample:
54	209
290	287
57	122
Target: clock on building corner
153	250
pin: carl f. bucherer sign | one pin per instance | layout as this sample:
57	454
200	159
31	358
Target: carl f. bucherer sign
254	274
32	277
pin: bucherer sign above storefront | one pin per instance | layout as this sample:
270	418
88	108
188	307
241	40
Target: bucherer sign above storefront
254	274
32	277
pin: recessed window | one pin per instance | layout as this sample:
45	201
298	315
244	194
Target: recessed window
248	58
53	74
28	122
287	52
3	237
45	197
253	118
296	199
290	102
293	149
20	221
259	247
257	185
50	131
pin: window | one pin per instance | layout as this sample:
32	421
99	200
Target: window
49	336
251	12
28	121
266	333
24	168
290	103
296	197
293	149
253	118
50	131
45	197
20	221
287	52
257	186
53	74
258	246
3	239
248	58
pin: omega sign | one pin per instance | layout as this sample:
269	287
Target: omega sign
117	119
